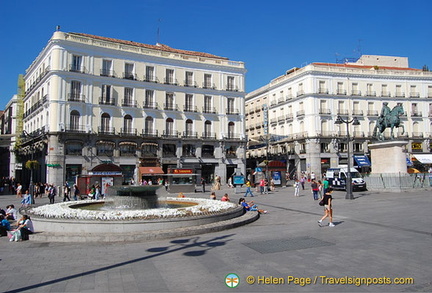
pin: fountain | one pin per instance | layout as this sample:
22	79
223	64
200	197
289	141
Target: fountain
135	213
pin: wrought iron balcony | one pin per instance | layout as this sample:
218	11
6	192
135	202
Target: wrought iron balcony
370	93
171	81
232	111
73	128
76	97
355	93
372	113
342	112
128	132
385	94
190	83
232	88
190	108
190	134
400	95
106	130
171	107
300	113
149	133
417	134
323	91
150	105
107	72
208	135
341	92
211	110
129	103
129	75
208	85
74	68
232	136
324	111
416	114
357	112
150	78
170	134
106	101
414	95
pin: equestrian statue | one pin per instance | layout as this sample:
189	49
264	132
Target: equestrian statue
388	119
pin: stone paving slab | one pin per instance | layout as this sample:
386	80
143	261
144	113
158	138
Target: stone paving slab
377	235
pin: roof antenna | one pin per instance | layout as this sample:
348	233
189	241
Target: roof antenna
158	33
58	28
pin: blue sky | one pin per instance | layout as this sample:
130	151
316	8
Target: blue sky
269	36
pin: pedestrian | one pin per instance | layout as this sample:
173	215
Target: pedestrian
302	181
248	189
315	189
320	189
76	192
296	188
328	207
52	193
66	192
203	182
325	185
261	185
19	190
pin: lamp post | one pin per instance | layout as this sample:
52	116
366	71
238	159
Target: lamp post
31	187
354	121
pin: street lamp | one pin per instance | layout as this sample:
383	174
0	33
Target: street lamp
354	121
31	187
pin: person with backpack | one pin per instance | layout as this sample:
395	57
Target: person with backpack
315	189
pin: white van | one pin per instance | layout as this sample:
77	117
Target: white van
337	178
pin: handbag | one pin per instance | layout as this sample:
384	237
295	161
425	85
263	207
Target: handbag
321	203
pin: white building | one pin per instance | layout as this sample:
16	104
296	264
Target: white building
114	105
303	105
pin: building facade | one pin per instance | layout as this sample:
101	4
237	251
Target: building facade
299	110
93	101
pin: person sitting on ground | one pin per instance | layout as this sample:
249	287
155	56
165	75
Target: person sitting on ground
213	195
180	195
24	229
250	206
225	197
11	212
4	226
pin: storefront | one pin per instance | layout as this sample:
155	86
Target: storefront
181	180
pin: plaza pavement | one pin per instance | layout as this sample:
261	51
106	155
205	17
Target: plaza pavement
377	235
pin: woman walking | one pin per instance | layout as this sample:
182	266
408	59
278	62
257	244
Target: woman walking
328	210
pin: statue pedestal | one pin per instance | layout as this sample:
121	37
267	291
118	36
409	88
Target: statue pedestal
389	167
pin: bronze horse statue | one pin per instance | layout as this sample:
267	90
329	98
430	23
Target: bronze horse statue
390	120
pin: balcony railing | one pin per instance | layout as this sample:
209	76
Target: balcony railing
129	75
128	132
417	134
357	112
400	95
207	85
355	93
149	133
289	117
300	93
76	97
189	108
341	92
107	72
370	93
324	111
416	114
190	134
76	128
190	83
323	91
385	94
372	113
171	107
358	134
234	136
414	95
170	134
211	110
208	135
106	101
129	103
342	112
171	81
232	111
150	105
150	78
74	68
106	130
300	113
232	88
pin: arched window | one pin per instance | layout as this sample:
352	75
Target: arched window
231	130
169	127
207	129
149	126
189	128
127	125
105	123
74	120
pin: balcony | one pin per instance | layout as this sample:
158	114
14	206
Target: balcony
129	103
128	132
323	91
385	94
190	108
400	95
416	114
107	72
281	119
171	107
129	75
357	112
170	81
373	113
150	78
355	93
414	95
289	117
300	93
208	135
74	68
72	128
106	101
326	133
370	94
208	85
281	100
288	97
232	111
76	97
190	134
300	113
324	111
150	105
231	88
417	135
358	134
189	83
106	130
273	103
209	110
149	133
232	136
258	108
341	92
342	112
170	134
273	121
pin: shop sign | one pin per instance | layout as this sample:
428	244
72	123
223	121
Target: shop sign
182	171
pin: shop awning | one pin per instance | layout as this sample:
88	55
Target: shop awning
151	171
424	158
362	161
